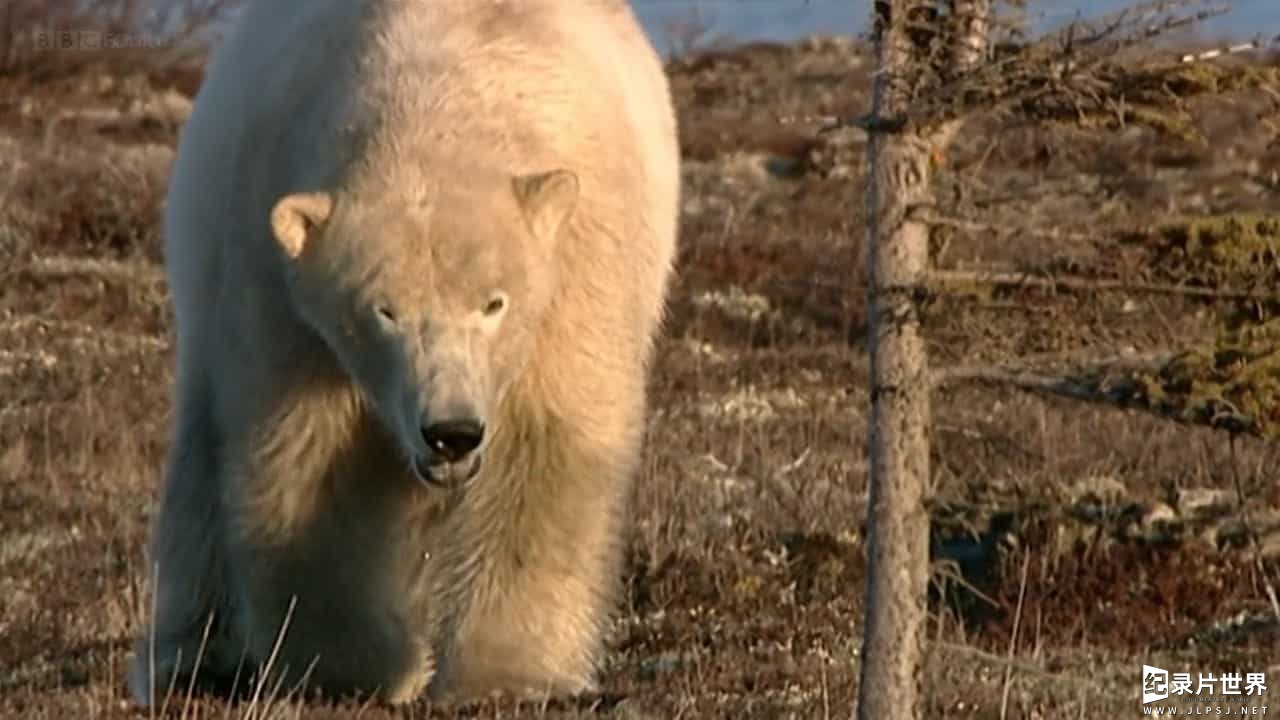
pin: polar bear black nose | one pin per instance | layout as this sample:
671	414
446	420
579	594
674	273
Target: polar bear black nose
453	440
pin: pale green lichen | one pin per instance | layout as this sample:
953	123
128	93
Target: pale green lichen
1233	382
736	303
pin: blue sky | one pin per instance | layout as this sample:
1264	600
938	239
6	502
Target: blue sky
786	19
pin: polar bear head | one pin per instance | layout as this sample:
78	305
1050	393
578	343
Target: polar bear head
430	299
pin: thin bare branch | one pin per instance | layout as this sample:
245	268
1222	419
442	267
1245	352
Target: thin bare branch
952	280
1255	547
1076	75
124	271
1255	44
1115	383
1089	377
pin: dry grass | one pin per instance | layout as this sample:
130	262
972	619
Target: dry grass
43	41
746	569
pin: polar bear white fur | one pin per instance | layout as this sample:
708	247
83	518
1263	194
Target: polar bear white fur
419	253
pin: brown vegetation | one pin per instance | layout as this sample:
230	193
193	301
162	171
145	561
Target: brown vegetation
48	41
1072	542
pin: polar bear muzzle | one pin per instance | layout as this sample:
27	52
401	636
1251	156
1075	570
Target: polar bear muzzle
453	451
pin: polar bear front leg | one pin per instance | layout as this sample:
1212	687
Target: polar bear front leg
186	631
319	600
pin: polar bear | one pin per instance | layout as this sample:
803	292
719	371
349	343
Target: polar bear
419	254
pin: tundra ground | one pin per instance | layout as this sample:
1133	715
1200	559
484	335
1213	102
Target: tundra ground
1074	542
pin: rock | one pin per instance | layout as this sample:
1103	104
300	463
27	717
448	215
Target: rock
1205	503
630	709
1097	498
839	155
1269	547
169	108
1158	523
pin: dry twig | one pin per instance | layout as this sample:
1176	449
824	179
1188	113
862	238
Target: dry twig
1079	75
952	280
1254	546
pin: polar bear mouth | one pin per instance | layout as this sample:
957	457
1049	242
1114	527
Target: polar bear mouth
446	474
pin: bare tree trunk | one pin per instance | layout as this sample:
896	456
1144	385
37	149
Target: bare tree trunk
969	32
898	437
968	36
900	167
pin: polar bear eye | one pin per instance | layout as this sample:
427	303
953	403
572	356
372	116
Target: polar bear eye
496	304
385	315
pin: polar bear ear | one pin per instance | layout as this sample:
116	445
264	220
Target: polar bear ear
547	199
296	217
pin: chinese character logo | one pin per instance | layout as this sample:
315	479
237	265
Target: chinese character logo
1155	684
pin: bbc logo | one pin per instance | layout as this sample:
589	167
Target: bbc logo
47	40
89	40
